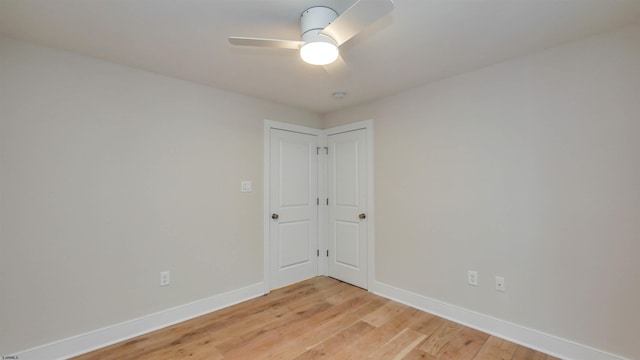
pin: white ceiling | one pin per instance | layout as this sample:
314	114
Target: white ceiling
419	42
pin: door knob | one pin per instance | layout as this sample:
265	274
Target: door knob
275	216
362	216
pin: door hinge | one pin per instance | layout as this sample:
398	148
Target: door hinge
326	150
318	252
327	201
318	201
318	150
327	252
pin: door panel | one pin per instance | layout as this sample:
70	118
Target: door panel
346	171
294	174
293	194
347	250
293	251
346	177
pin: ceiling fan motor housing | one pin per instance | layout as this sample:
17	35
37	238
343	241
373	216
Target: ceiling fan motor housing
314	20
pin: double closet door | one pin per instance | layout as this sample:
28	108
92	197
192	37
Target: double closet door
317	201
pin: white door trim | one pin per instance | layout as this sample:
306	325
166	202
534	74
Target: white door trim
323	221
368	126
268	125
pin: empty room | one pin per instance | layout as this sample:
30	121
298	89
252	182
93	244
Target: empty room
337	179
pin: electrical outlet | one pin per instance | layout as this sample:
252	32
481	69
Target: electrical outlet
500	284
165	278
472	278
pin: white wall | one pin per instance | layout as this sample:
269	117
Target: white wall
109	175
529	169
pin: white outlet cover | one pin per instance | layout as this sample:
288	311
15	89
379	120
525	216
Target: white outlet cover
472	278
165	278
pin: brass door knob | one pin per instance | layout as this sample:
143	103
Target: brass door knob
275	216
362	216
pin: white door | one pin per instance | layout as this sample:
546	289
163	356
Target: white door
347	193
293	225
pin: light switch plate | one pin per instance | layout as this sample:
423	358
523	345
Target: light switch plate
245	186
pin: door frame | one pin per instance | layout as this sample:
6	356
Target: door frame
323	262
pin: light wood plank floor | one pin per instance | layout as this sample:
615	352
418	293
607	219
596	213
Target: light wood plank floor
313	319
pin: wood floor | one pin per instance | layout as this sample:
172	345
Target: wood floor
320	318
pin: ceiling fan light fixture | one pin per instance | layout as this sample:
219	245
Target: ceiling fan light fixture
323	30
319	53
318	49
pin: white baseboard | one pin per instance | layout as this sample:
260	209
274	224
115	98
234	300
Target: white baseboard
96	339
530	338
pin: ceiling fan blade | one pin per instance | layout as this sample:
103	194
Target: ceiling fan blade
360	15
338	68
273	43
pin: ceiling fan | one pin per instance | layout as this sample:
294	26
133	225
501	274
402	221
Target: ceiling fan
323	31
